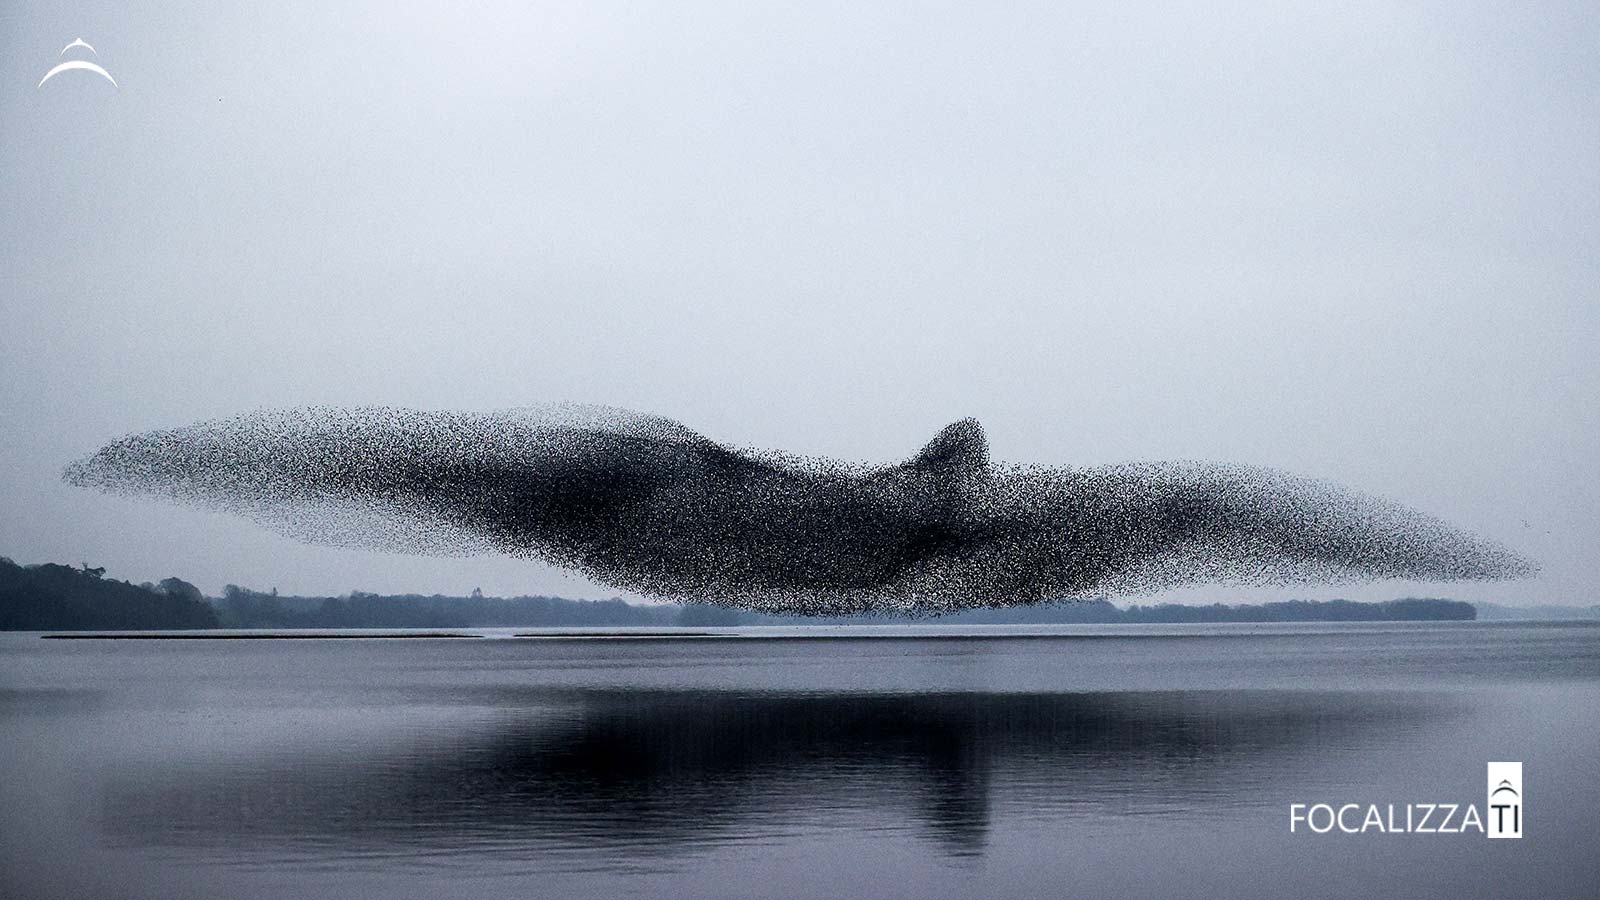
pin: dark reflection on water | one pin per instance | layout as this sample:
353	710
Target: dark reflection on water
638	774
1150	765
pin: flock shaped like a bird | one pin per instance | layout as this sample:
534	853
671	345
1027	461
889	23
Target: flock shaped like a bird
642	503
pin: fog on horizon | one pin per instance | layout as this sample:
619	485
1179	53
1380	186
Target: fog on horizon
1350	243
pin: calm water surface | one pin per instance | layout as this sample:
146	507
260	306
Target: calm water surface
1084	761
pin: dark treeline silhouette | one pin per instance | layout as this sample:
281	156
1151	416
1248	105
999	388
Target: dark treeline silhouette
61	597
243	608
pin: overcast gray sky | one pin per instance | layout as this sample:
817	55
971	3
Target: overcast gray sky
1351	241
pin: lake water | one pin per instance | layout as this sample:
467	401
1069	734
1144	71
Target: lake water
1147	761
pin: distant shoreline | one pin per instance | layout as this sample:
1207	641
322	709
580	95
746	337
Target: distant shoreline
768	634
71	599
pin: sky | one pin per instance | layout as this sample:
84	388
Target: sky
1355	242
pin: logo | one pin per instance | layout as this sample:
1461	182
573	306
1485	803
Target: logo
1501	816
82	65
1505	800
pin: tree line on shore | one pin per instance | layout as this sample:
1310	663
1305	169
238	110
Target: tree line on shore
57	597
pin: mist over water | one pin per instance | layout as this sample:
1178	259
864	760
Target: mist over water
1151	761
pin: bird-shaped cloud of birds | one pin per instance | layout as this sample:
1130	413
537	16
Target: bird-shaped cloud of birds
642	503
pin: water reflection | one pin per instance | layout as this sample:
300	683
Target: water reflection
580	775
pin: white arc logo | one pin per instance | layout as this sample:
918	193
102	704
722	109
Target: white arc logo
83	64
